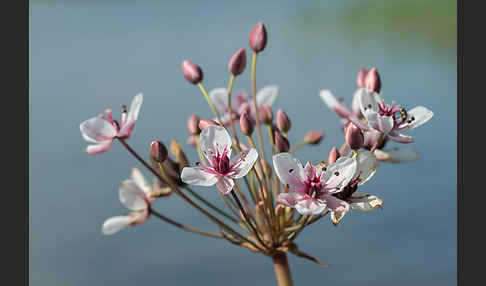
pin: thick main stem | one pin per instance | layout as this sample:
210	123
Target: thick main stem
282	269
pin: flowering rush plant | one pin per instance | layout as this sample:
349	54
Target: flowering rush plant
270	194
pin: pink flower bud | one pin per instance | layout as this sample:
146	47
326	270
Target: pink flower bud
191	141
258	38
372	80
193	124
237	63
283	121
246	126
360	80
281	143
203	123
266	114
192	72
353	136
158	151
333	156
314	137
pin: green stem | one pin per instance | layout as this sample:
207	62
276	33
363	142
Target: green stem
282	269
297	146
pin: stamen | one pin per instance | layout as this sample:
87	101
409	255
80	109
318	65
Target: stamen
336	173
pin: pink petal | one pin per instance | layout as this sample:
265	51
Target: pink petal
310	207
225	185
290	171
331	101
117	223
132	196
339	174
214	139
219	96
97	130
335	204
199	176
242	163
289	199
267	95
99	148
132	116
400	138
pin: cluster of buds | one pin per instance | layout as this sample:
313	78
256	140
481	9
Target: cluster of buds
271	196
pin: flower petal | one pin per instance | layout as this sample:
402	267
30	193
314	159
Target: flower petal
337	216
117	223
99	148
132	196
366	166
215	138
331	101
132	116
242	163
365	202
289	170
309	170
198	176
97	130
419	114
381	123
335	204
220	98
368	100
400	138
400	155
225	185
289	199
140	181
267	95
356	102
310	207
339	174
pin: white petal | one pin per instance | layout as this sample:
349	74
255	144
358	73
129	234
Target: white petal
132	115
368	100
245	161
267	95
99	148
366	166
225	185
198	176
335	204
400	138
365	202
213	138
381	123
401	155
340	173
97	130
356	102
132	196
116	223
289	199
331	101
289	170
140	181
310	207
220	98
420	115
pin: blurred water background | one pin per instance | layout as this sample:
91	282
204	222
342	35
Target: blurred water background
86	56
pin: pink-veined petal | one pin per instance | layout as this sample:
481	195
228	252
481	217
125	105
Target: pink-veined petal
140	181
215	138
243	162
366	166
117	223
99	148
132	116
199	176
400	155
289	199
267	95
339	174
309	170
331	101
400	138
310	207
419	114
335	204
381	123
368	100
132	196
365	202
225	185
289	170
97	129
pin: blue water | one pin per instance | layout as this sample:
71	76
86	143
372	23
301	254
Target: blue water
86	56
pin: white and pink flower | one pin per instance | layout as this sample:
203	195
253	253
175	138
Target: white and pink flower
342	110
102	131
313	186
135	194
222	169
241	102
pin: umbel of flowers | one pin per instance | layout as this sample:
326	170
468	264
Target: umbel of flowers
271	195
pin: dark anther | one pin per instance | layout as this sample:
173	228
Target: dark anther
124	108
336	173
291	170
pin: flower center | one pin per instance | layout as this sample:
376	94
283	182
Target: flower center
314	186
388	110
220	162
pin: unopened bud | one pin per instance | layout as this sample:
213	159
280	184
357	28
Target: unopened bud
237	63
333	156
191	141
266	114
192	72
258	38
158	151
203	123
353	136
283	121
373	81
246	126
314	137
360	80
281	143
193	124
